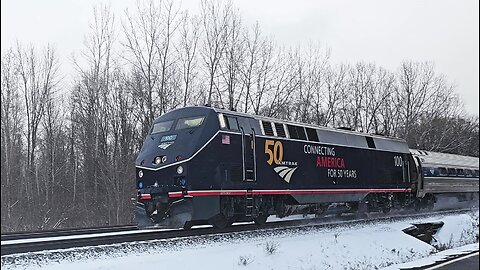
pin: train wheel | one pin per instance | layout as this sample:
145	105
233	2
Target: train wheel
261	219
220	221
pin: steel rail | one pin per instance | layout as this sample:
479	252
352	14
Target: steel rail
65	232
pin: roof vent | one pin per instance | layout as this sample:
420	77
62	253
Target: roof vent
267	128
280	130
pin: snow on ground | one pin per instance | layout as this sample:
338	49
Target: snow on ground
440	256
344	246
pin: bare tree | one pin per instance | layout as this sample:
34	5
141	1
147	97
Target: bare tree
311	75
330	97
38	78
142	38
378	94
170	24
415	80
283	85
263	76
12	177
251	63
187	50
116	166
52	125
90	99
215	18
230	67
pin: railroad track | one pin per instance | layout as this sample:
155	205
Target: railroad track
53	233
123	235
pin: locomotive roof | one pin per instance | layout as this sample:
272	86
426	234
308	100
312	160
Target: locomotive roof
446	160
328	135
259	117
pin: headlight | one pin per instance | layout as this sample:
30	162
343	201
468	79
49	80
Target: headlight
179	169
159	160
140	174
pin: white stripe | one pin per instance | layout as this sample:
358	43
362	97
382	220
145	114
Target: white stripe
284	172
290	173
452	261
280	168
472	179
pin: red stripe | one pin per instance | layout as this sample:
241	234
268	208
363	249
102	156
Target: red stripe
283	192
145	196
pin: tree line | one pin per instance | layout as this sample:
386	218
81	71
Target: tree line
68	147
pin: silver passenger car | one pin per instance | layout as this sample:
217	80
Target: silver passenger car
446	173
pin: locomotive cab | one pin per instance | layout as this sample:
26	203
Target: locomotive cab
163	162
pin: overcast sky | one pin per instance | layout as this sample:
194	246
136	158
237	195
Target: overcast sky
379	31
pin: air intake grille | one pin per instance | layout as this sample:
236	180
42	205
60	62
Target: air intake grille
267	128
280	130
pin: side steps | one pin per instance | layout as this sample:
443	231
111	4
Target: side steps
250	204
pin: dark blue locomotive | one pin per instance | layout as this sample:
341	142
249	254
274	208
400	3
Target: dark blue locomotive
201	165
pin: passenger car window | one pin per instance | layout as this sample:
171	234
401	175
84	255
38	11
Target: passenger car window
442	171
161	127
460	172
452	172
426	171
429	171
189	122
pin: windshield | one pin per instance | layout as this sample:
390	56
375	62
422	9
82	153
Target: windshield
161	127
189	122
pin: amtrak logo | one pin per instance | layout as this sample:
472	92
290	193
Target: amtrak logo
165	145
285	172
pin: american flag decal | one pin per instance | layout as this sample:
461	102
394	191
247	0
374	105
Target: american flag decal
225	139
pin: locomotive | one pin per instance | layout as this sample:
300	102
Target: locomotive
204	165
